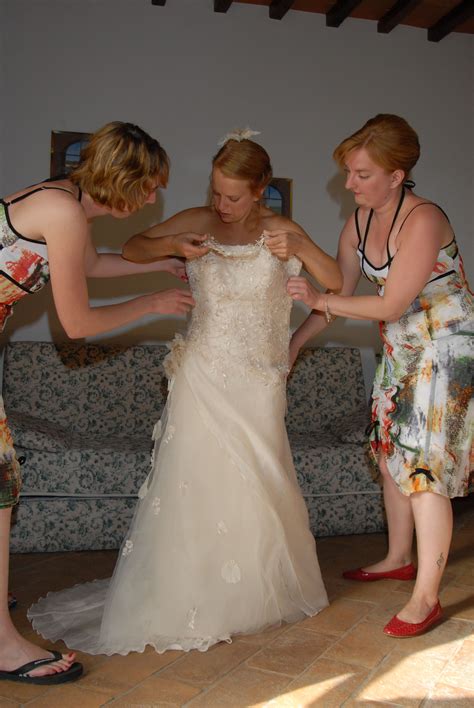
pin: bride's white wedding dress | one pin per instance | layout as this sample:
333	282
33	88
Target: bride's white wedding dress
220	542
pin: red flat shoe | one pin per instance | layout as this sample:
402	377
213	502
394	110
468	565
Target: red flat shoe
398	628
407	572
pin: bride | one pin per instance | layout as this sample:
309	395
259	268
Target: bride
220	541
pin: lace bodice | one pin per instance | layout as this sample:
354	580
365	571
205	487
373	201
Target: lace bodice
240	323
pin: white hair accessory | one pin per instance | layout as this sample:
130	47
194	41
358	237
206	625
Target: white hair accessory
238	135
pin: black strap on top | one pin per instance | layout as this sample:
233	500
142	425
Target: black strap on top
423	204
367	227
40	189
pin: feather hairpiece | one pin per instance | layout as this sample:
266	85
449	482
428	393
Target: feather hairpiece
239	134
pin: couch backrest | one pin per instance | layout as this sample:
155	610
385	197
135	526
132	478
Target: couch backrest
106	389
87	387
325	386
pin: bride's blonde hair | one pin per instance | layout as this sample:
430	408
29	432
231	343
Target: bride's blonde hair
246	160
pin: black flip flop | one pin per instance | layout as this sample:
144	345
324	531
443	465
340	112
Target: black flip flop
21	674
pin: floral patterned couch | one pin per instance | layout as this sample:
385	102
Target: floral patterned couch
82	415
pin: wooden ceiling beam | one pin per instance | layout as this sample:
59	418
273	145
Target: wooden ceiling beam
279	8
338	13
395	15
222	5
459	14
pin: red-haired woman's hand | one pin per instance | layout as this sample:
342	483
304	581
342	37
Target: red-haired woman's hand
300	289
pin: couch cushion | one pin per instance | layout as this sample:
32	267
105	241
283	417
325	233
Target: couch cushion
109	466
342	514
325	465
52	525
325	384
86	388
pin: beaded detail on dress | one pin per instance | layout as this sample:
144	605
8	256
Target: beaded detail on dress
240	323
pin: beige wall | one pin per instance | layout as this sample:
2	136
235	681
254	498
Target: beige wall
189	75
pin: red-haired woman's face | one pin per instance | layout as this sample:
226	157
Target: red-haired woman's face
370	184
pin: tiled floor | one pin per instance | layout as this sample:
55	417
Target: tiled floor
338	658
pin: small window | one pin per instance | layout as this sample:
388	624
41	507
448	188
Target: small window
66	149
277	196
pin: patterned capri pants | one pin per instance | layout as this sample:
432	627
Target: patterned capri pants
10	481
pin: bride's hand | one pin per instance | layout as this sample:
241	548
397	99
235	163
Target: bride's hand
300	289
283	244
189	245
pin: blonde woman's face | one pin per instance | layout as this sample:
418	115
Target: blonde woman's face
233	199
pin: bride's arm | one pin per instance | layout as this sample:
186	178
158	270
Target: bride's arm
289	239
177	236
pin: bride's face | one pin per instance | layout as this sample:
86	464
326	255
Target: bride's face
233	199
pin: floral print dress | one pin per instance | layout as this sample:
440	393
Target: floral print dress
422	401
24	269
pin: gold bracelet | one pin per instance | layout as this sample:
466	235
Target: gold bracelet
327	314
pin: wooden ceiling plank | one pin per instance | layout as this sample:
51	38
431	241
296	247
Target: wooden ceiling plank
279	8
395	15
459	14
338	13
222	5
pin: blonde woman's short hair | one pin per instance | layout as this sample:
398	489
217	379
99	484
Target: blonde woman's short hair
390	141
120	165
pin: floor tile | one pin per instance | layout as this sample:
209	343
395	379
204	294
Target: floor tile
338	617
460	670
402	680
365	645
458	602
20	692
120	673
265	637
157	691
387	606
444	696
290	653
71	696
203	668
242	688
6	703
326	683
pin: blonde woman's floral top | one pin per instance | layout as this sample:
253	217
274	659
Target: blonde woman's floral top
23	261
422	410
23	269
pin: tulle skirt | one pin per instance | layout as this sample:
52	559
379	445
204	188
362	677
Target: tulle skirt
220	541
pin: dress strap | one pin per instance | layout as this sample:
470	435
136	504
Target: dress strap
356	217
423	204
40	189
367	227
395	216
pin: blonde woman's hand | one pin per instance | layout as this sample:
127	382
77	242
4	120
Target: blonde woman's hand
177	301
176	267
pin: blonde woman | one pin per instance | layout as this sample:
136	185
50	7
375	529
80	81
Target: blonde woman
45	234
